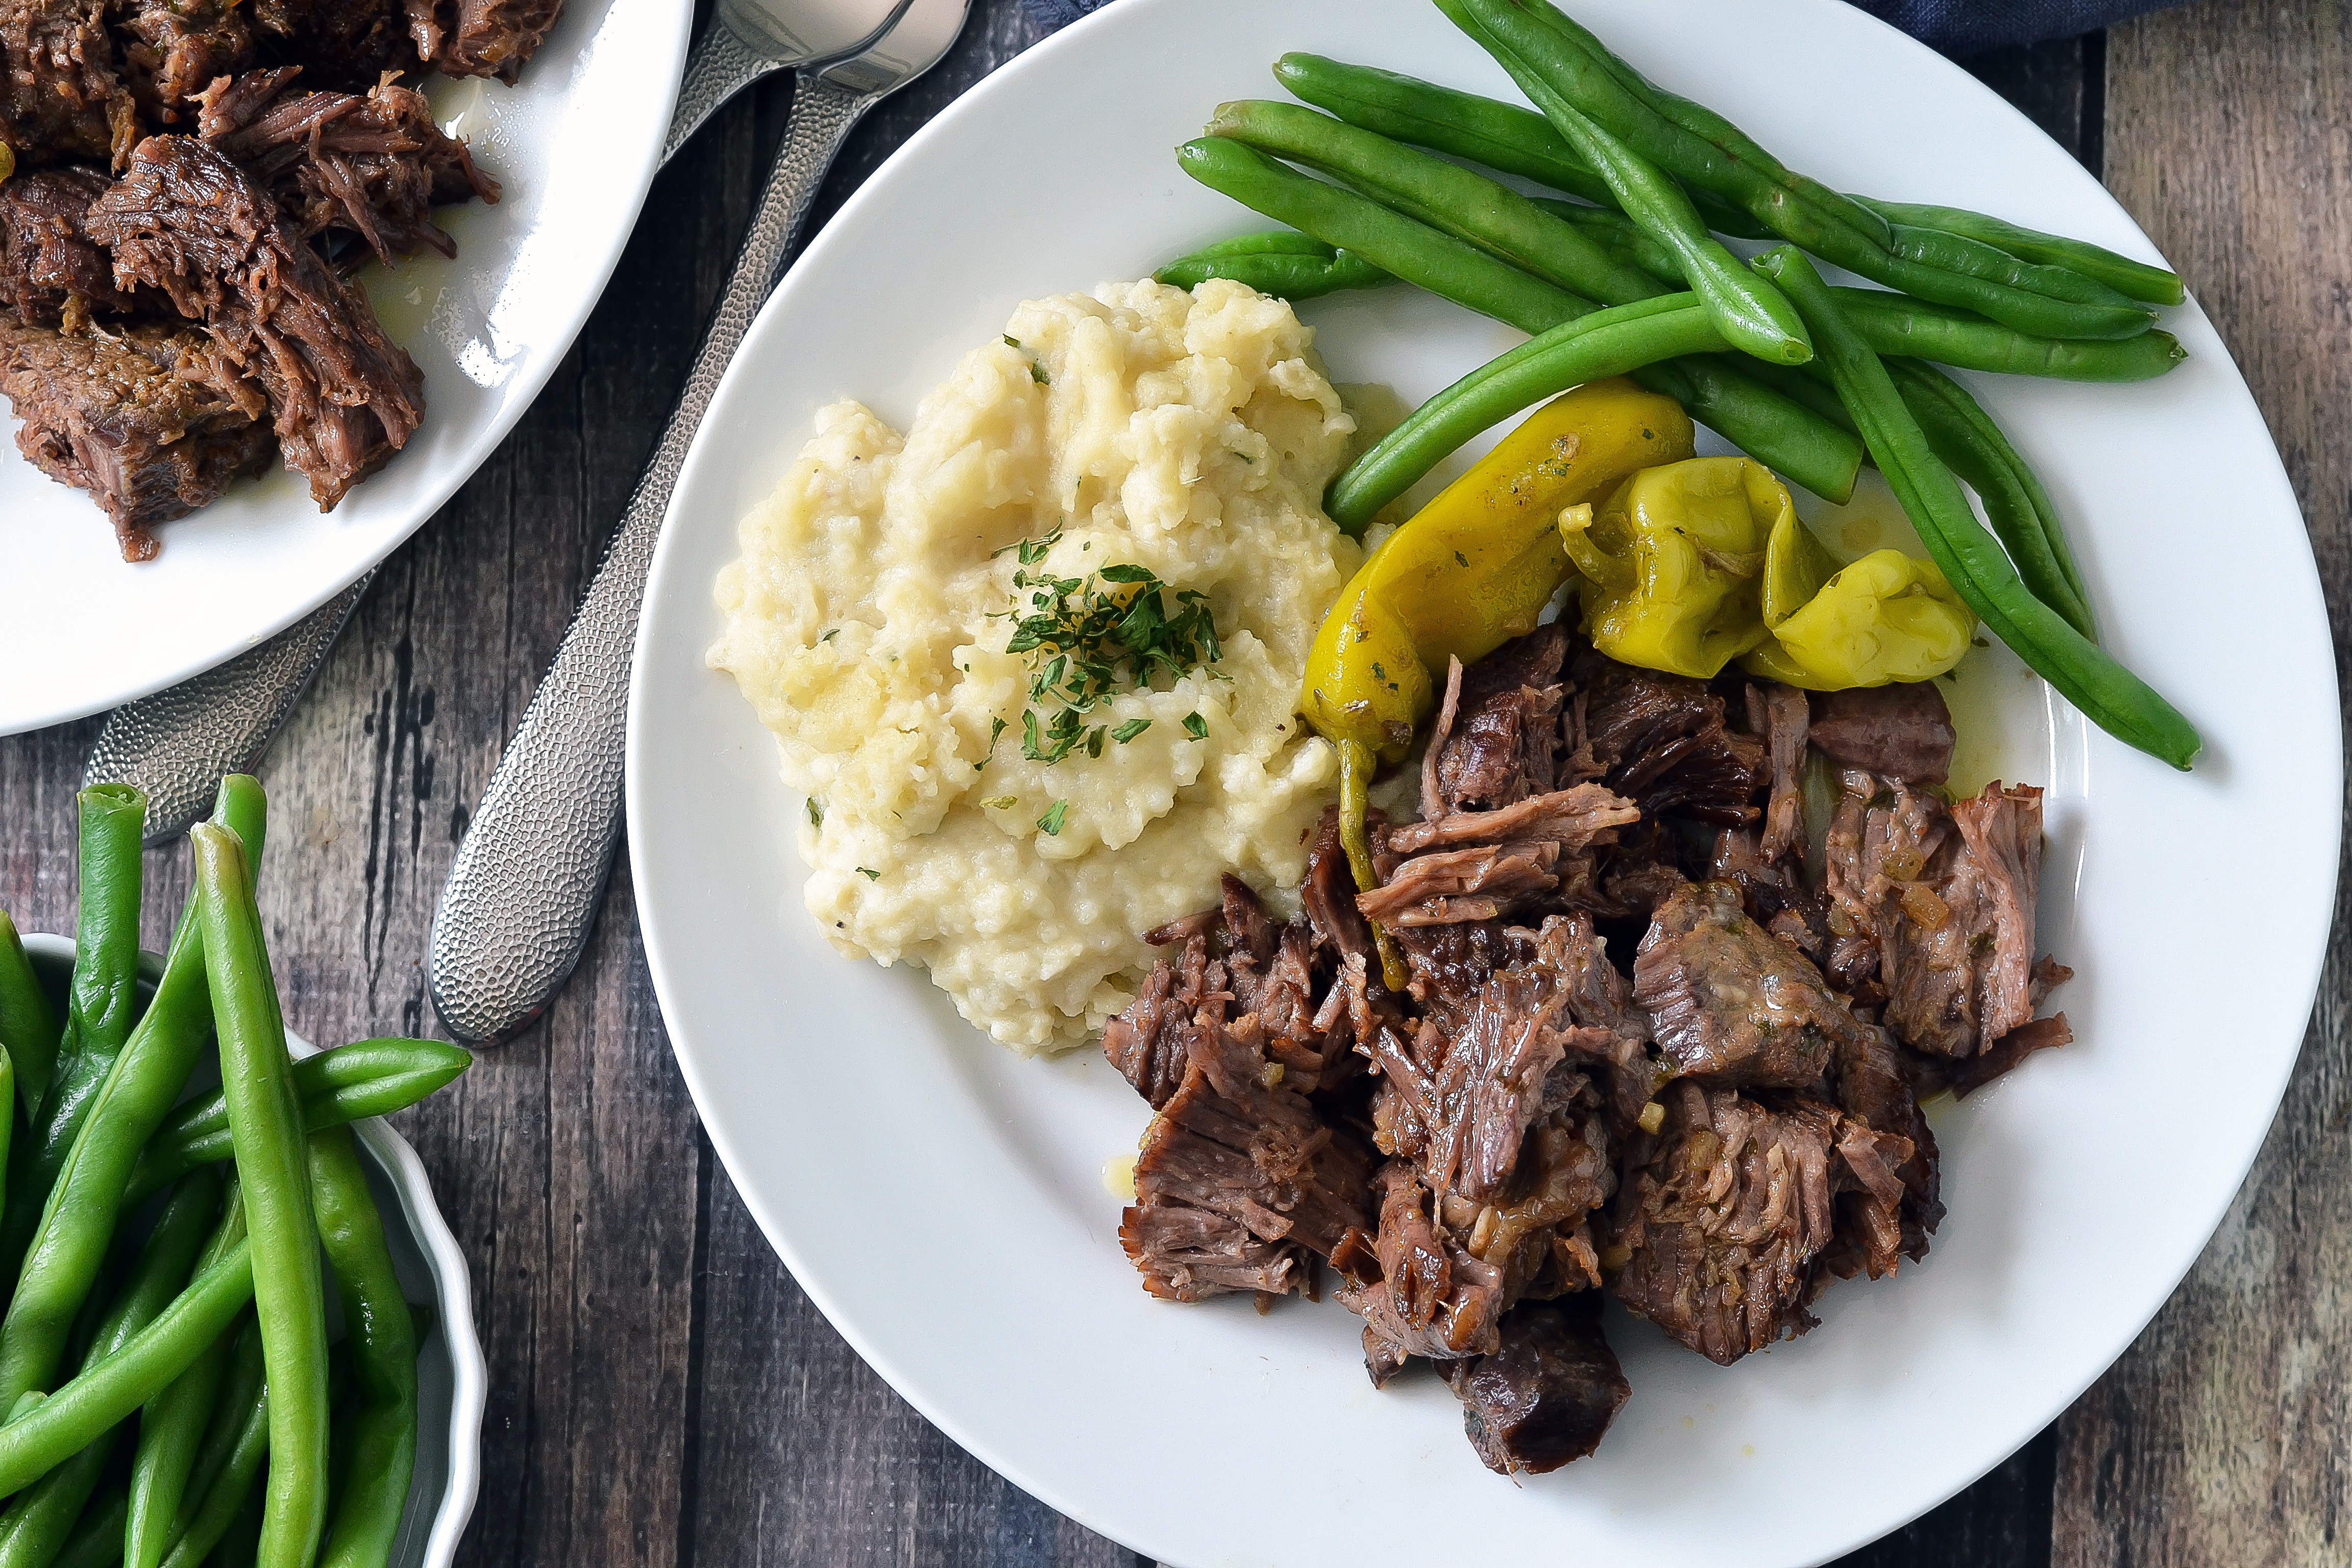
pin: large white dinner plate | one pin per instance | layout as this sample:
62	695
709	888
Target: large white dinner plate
939	1197
574	145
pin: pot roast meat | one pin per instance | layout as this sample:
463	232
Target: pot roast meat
1660	740
1874	1091
1719	1228
174	50
495	37
1147	1042
47	260
1547	1392
151	420
1732	1003
371	168
1500	726
1902	731
186	220
1481	865
1942	901
1778	714
348	46
1239	1179
61	92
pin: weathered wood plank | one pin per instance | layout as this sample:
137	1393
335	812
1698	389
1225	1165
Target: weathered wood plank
2224	1436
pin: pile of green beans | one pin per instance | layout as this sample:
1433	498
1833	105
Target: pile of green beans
164	1357
1630	279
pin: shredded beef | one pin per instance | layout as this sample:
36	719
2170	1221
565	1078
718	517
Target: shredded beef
1547	1394
1239	1178
371	168
1903	732
1732	1003
47	260
1479	865
494	37
61	92
349	45
1661	742
151	420
187	221
1778	714
1498	733
174	50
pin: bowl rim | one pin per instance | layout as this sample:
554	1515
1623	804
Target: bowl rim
452	1285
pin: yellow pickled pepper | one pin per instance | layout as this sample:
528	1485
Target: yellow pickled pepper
1883	619
1474	567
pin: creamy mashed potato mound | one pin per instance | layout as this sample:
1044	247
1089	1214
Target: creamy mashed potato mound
867	615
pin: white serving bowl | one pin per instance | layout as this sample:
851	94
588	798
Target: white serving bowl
452	1383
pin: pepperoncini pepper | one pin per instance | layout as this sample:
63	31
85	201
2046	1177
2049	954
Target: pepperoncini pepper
1466	574
1883	619
1674	563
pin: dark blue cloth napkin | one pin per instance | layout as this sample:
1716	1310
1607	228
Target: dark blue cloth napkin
1954	27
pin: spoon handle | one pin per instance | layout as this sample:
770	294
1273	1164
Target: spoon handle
522	895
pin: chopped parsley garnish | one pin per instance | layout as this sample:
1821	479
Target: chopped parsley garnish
1089	639
1037	373
831	632
998	803
1051	822
1196	726
815	813
1011	341
869	873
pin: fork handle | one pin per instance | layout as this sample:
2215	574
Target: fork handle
522	894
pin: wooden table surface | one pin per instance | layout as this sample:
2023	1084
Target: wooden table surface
661	1392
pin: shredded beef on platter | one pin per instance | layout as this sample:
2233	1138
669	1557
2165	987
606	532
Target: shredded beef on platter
1596	1031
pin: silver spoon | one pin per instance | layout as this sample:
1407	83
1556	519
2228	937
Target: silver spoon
522	895
177	744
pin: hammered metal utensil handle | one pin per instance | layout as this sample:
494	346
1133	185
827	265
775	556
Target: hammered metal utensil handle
177	743
721	66
524	893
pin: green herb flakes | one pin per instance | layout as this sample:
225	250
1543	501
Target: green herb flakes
869	873
815	813
1196	726
1051	822
1091	638
999	803
1037	373
1011	341
831	632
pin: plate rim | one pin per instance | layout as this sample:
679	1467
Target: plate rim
495	430
654	935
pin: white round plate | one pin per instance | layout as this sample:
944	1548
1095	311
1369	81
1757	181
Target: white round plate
452	1380
939	1199
574	146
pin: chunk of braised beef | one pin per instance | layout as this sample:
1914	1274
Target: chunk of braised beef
1732	1003
187	221
1471	866
1717	1229
148	418
1873	1090
1778	714
1499	729
61	92
493	38
1547	1394
1903	731
47	260
1432	1296
1605	1032
1239	1178
1147	1042
174	50
345	166
345	45
1662	742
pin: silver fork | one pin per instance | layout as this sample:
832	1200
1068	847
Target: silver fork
177	743
522	894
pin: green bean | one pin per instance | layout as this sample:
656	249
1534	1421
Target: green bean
1388	240
29	1025
1283	263
2133	279
383	1336
1444	195
102	1002
1757	320
1810	451
96	1540
111	1387
37	1525
1545	50
240	1545
2109	695
1499	135
1966	257
235	1448
1605	343
71	1228
367	1078
173	1425
2021	513
1896	324
273	1167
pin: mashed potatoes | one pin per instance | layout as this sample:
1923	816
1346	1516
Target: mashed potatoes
869	615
